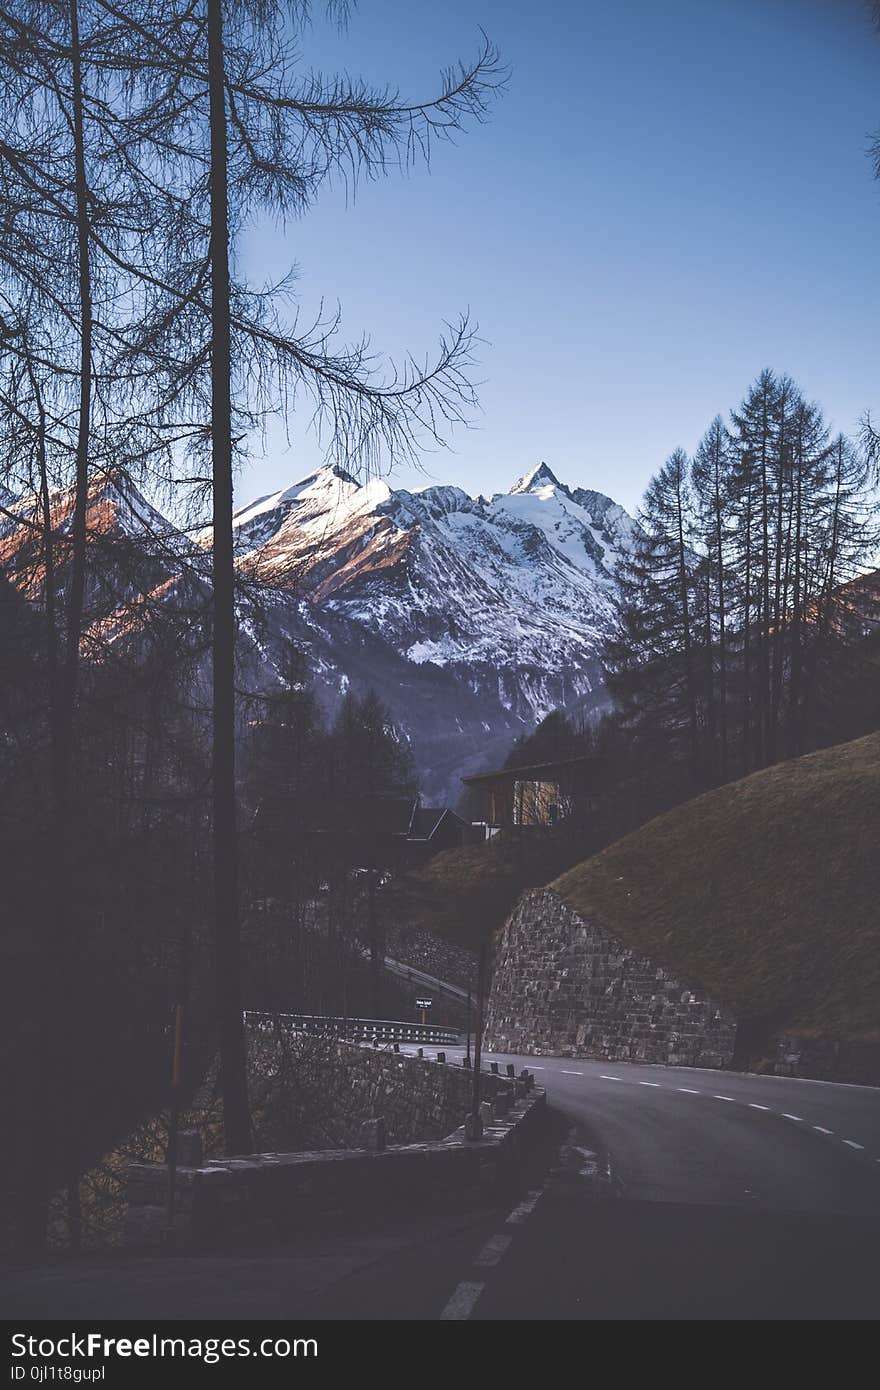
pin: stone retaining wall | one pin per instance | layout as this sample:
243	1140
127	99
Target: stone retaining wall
563	987
285	1193
314	1093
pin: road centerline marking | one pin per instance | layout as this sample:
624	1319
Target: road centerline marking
492	1251
851	1143
688	1091
525	1208
822	1129
655	1084
563	1072
462	1302
753	1105
603	1077
786	1116
730	1098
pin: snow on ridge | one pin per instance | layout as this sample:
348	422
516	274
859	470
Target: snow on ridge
541	474
309	514
317	484
521	580
429	503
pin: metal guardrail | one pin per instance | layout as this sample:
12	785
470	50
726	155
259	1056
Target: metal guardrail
359	1030
421	977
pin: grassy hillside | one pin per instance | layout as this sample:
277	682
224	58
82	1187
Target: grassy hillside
766	892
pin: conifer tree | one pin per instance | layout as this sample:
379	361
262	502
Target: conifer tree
710	483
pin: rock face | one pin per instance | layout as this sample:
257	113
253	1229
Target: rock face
563	987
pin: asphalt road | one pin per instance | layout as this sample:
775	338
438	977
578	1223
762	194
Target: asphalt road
671	1194
678	1193
721	1138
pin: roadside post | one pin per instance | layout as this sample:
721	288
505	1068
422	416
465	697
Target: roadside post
174	1123
478	1029
171	1156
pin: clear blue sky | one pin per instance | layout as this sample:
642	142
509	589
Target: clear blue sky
670	197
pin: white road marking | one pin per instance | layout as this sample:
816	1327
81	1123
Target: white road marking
651	1083
570	1073
852	1144
730	1098
590	1165
463	1301
822	1130
525	1208
753	1105
492	1251
603	1077
537	1068
688	1091
786	1116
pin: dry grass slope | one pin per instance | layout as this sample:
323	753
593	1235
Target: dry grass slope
461	894
766	892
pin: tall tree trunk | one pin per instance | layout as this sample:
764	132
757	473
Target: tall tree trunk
227	945
764	630
794	700
787	582
63	900
688	651
779	617
76	596
711	722
827	611
831	577
50	606
36	1149
747	636
722	633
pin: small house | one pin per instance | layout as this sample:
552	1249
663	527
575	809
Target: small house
539	795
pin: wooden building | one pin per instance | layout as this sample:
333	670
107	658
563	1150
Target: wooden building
539	795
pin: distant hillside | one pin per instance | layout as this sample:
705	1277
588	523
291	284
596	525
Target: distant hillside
766	892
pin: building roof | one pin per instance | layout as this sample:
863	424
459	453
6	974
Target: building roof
537	772
426	821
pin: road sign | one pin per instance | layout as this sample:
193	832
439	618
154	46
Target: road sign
424	1003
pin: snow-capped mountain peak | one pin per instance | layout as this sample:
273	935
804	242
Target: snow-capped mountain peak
472	617
541	476
331	534
501	603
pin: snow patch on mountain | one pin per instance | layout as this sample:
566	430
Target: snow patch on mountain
472	617
520	585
